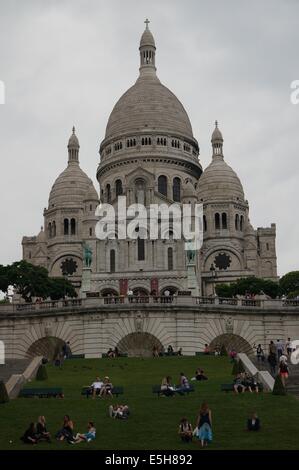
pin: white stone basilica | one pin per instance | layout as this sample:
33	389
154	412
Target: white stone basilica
149	153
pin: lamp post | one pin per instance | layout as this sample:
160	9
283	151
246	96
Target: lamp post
213	275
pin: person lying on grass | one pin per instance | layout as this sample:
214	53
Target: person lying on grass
166	388
238	384
199	375
119	411
88	436
253	423
96	387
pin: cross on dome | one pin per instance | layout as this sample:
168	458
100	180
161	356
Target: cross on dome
147	21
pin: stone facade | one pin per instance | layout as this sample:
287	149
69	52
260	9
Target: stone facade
149	155
93	326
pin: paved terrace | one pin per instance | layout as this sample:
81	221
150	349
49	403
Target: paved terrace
95	302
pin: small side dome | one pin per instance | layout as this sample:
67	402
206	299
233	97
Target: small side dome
91	194
189	190
41	237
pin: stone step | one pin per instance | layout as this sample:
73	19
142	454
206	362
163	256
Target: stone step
13	366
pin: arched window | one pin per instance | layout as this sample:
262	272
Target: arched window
49	230
90	207
54	229
112	261
241	223
224	220
66	226
170	259
73	227
141	249
237	222
108	193
118	188
205	223
176	189
162	185
217	221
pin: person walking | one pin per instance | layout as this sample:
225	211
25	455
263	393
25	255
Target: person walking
260	354
272	363
204	425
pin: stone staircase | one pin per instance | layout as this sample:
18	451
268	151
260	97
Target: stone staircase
13	366
293	380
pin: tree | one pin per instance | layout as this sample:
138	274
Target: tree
59	287
4	278
29	280
278	388
251	284
289	283
223	351
224	290
4	398
42	373
235	369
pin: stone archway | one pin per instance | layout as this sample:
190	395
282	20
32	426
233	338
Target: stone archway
139	344
232	341
48	347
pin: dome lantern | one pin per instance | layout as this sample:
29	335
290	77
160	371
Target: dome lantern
217	142
73	148
147	50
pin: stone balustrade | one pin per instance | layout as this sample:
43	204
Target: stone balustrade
97	301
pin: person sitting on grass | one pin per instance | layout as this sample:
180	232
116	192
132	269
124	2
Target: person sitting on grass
185	430
119	411
30	436
166	387
238	384
111	353
67	430
41	430
170	350
96	387
88	436
253	423
106	389
199	375
184	383
250	383
206	349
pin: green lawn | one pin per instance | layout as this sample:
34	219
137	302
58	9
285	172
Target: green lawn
154	421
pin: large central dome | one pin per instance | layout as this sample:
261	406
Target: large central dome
148	105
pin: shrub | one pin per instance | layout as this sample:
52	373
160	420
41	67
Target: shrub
4	398
240	367
235	369
278	388
42	373
223	351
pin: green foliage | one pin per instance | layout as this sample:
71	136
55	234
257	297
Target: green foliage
28	280
251	284
4	398
224	290
42	373
240	367
278	388
289	282
59	287
293	295
34	281
223	351
4	280
235	369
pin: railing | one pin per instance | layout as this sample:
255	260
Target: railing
97	301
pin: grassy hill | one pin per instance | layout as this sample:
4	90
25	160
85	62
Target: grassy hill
154	421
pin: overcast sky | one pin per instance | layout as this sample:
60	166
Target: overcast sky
67	62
